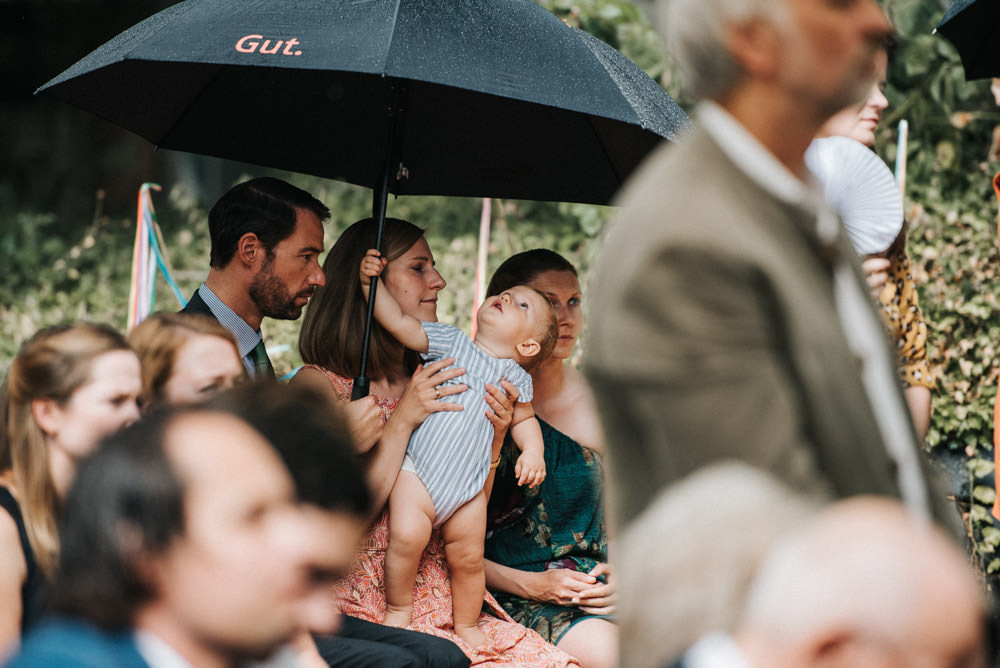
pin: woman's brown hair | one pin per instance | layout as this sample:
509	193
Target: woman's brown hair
334	324
156	341
522	268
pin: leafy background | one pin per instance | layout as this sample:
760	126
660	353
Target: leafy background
68	182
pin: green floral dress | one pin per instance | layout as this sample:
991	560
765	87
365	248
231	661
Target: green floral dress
559	524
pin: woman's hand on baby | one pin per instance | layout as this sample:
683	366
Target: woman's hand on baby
561	586
425	390
600	598
501	405
530	468
371	265
364	422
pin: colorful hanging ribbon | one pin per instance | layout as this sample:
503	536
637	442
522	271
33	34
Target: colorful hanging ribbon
148	254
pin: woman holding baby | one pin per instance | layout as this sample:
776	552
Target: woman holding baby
403	394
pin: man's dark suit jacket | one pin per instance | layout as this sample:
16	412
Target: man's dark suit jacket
197	305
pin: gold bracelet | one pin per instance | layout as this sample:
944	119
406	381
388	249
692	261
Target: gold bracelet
495	463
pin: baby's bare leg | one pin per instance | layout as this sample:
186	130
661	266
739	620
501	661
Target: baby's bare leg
464	534
411	517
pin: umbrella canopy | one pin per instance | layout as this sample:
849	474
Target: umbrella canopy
478	97
973	26
437	97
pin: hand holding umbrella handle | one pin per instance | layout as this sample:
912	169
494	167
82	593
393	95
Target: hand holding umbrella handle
360	389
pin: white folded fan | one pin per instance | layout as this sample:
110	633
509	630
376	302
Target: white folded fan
861	188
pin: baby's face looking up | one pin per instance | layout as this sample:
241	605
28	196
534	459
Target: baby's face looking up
513	317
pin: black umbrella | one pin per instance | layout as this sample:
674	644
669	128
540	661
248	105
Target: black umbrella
973	26
449	97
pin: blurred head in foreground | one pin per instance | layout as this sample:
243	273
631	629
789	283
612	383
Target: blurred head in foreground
710	532
331	491
865	584
186	358
185	526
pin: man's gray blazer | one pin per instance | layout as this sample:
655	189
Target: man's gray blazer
713	334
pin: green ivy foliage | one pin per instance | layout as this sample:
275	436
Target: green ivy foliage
953	244
51	279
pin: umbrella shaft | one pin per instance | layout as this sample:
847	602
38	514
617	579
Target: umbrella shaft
394	141
360	387
379	203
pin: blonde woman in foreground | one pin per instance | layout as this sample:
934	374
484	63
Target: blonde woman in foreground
68	387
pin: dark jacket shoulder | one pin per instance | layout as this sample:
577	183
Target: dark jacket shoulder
197	305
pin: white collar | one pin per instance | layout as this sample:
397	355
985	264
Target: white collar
157	653
715	650
752	158
760	165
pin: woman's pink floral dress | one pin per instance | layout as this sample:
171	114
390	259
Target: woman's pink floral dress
362	592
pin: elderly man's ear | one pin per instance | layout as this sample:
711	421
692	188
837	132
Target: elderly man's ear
756	45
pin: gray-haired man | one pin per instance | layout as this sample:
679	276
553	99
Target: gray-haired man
734	321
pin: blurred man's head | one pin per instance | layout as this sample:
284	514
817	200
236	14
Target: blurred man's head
816	55
698	586
312	440
865	584
185	526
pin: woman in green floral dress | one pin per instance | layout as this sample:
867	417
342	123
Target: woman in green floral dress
546	547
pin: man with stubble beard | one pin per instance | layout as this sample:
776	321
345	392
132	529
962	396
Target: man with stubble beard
266	239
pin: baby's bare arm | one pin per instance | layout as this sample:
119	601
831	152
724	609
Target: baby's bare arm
527	434
522	411
405	328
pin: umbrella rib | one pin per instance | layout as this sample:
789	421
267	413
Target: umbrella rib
392	33
126	43
604	150
188	108
591	117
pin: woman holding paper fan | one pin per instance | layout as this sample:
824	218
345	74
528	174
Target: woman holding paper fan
859	184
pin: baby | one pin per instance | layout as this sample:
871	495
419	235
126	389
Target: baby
448	458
